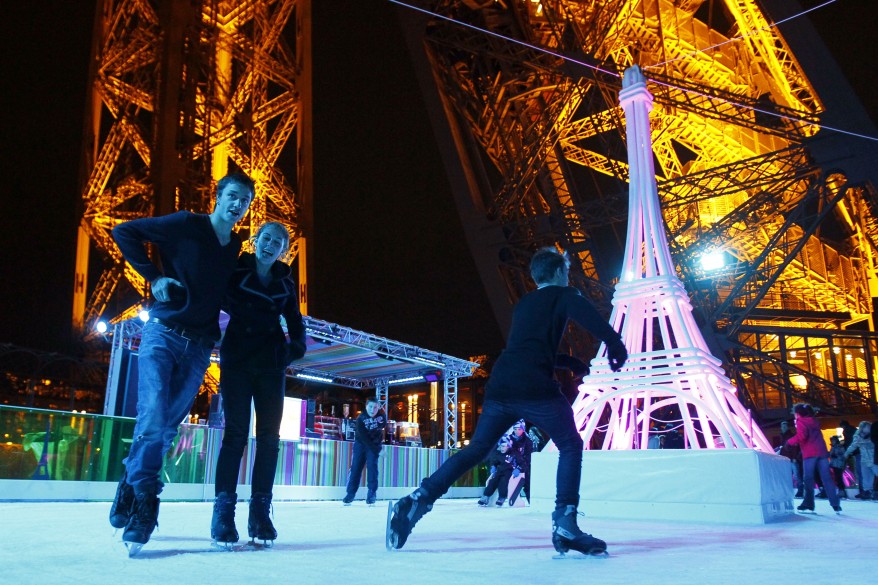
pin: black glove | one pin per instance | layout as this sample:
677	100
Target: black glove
616	354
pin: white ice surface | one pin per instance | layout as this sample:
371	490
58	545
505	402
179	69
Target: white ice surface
456	544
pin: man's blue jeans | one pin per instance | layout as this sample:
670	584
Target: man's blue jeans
170	372
554	416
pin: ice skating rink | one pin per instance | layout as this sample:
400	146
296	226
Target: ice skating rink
456	544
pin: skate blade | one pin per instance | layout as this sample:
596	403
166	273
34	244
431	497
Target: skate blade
582	556
390	539
261	543
224	546
133	548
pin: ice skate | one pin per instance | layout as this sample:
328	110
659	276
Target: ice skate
222	525
805	509
567	536
120	511
371	497
348	499
483	502
259	525
837	509
500	501
144	519
402	517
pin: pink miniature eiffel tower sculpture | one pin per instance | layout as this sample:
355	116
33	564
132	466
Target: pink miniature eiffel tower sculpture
669	362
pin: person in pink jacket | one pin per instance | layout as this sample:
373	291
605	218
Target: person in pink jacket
814	455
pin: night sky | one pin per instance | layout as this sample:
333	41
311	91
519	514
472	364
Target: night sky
389	252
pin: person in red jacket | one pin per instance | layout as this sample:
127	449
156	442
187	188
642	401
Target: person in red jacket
814	455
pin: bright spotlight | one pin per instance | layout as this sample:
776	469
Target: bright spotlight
144	315
101	326
713	260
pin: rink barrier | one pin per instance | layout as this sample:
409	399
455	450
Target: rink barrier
59	455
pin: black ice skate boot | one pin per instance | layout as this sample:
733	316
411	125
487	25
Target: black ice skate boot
566	534
500	501
144	519
406	513
222	525
259	525
349	498
483	501
370	498
120	511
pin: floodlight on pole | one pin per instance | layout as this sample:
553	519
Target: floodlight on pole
101	326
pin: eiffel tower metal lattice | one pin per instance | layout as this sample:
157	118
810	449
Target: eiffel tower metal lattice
181	93
524	97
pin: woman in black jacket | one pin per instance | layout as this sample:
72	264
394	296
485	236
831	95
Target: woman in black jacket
253	357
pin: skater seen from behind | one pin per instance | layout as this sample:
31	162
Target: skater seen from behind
499	463
522	386
814	457
862	440
368	439
254	355
198	254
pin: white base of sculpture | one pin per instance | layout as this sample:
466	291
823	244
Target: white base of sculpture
737	486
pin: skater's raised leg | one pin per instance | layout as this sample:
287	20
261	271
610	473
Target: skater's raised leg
259	525
406	513
222	525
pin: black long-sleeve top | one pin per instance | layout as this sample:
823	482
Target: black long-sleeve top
525	368
191	253
369	430
521	449
254	337
499	461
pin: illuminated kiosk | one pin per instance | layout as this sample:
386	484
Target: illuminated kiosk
728	471
83	453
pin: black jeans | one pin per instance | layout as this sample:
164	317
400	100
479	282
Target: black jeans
266	389
554	416
363	456
499	482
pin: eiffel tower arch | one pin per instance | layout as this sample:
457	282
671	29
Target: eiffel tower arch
182	92
524	97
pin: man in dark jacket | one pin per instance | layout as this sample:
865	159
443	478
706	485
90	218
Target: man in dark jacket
522	386
369	436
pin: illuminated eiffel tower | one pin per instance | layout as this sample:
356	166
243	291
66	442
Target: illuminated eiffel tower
524	102
669	363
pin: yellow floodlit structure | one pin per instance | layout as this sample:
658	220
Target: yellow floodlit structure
526	101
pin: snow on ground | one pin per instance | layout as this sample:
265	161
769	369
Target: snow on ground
456	544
